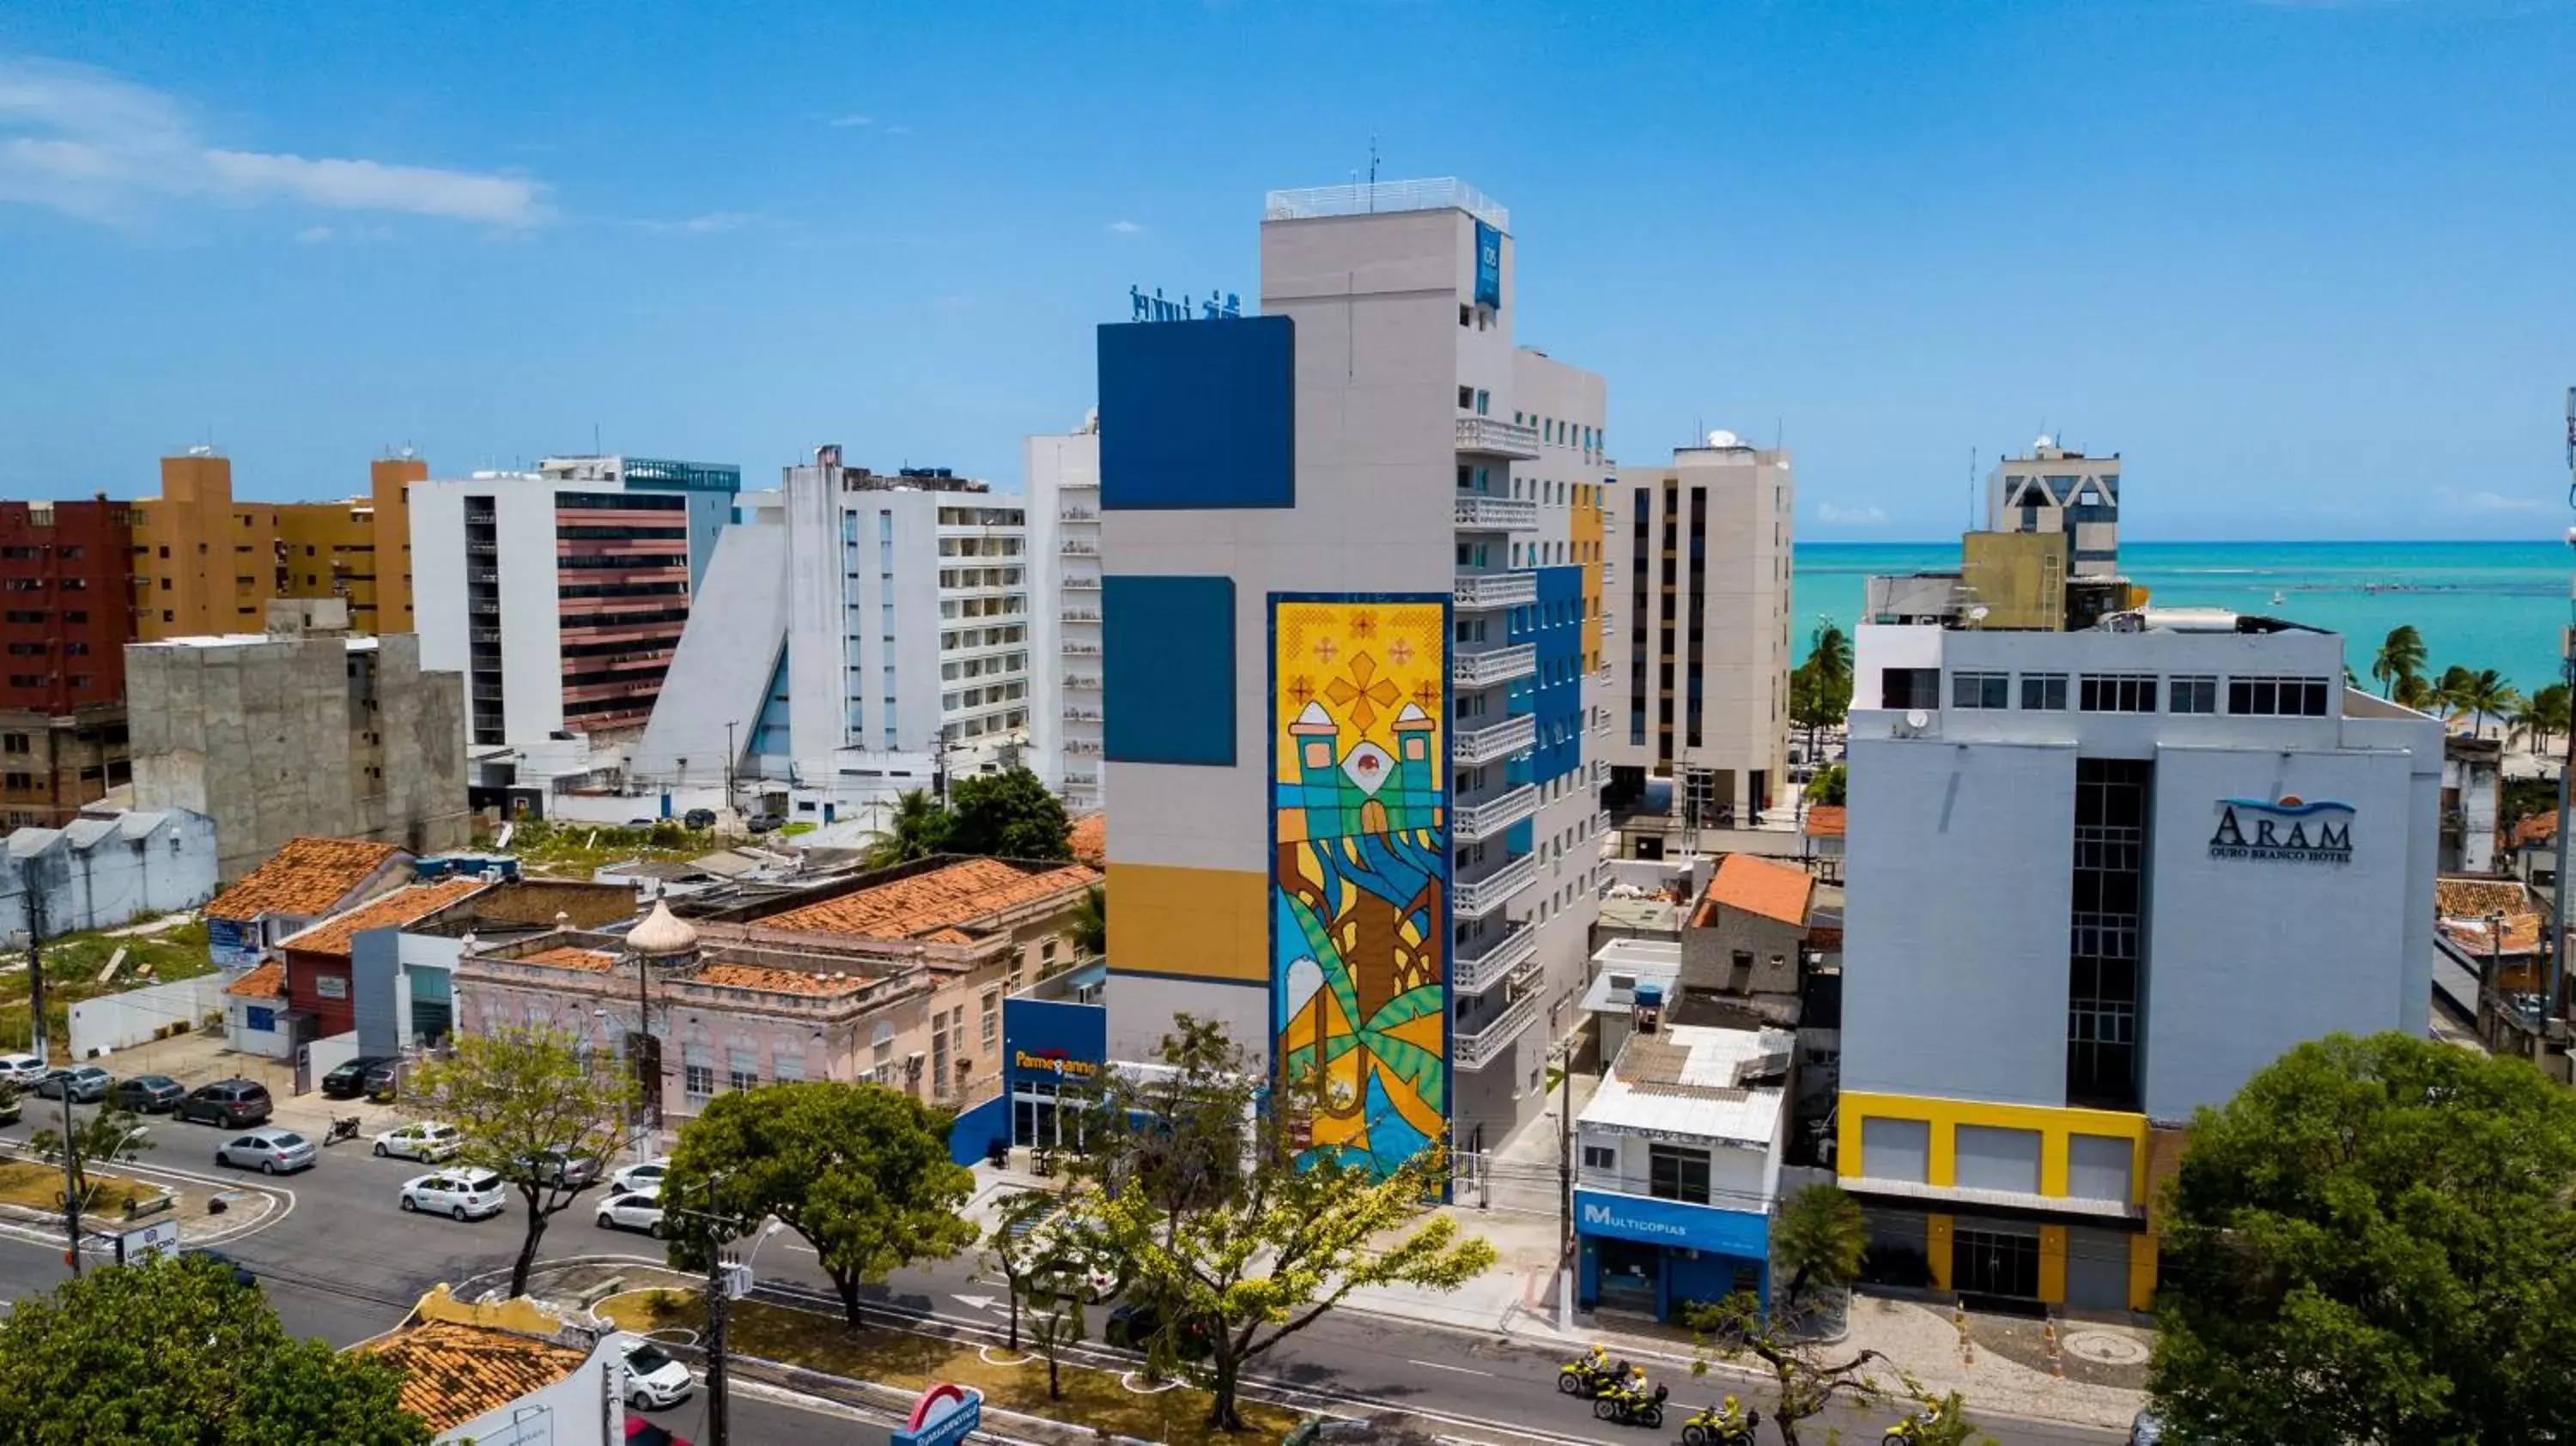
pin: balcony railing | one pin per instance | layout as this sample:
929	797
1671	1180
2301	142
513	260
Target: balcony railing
1480	745
1600	824
1082	582
1517	947
1475	897
1082	682
1082	715
1478	591
1479	512
1485	820
1078	547
1494	1037
1494	665
1079	484
1493	438
1077	514
1087	747
1374	198
1078	615
1074	648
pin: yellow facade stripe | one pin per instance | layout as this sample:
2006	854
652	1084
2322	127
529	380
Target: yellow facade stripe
2052	1264
2142	1271
2055	1127
1190	923
1936	1249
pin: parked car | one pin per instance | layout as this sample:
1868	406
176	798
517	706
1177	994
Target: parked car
653	1379
1133	1324
241	1273
428	1141
270	1152
641	1432
349	1080
85	1083
632	1212
147	1094
766	822
699	818
554	1167
21	1069
382	1079
1077	1270
235	1104
643	1179
461	1194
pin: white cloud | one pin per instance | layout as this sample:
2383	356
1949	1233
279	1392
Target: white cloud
325	235
706	225
1835	514
850	122
92	144
898	130
1126	228
2487	501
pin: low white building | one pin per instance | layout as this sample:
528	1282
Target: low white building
104	869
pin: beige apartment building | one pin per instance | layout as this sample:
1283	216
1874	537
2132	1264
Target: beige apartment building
1700	634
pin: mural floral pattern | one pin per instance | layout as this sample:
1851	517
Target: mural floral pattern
1359	879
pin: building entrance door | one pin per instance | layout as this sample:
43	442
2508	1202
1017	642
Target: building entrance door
1631	1276
1985	1262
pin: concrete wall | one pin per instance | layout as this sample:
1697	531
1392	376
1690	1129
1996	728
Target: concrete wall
104	872
1708	954
720	673
585	1408
121	1021
272	1042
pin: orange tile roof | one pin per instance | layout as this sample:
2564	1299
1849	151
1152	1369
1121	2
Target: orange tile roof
1825	820
565	956
453	1372
2521	934
778	981
307	877
925	903
2538	828
2477	898
268	981
1090	839
400	907
949	936
1759	886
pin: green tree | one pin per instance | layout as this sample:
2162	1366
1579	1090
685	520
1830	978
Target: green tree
1007	815
1817	702
171	1352
859	1170
1829	652
919	829
2487	695
1091	923
1819	1240
2373	1241
2412	691
1830	787
2401	655
1805	1377
532	1109
1262	1247
2451	692
1016	1247
2543	716
105	1136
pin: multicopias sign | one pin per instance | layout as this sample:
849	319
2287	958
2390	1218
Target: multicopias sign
2289	830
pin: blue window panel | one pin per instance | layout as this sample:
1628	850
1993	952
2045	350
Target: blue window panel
1558	694
1198	414
769	733
1519	838
1167	666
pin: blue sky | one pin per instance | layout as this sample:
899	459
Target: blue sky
2305	264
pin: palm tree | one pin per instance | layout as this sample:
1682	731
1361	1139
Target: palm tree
1091	923
2488	695
919	830
2413	692
1820	1239
2451	694
2401	655
1829	652
2542	715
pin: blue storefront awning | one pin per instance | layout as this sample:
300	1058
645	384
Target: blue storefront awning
1739	1233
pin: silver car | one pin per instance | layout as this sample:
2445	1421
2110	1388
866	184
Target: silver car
270	1152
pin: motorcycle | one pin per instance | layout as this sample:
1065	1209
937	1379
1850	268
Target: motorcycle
1587	1375
1907	1431
1719	1427
1621	1406
345	1127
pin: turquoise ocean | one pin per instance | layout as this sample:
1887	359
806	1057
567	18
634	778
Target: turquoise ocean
2493	605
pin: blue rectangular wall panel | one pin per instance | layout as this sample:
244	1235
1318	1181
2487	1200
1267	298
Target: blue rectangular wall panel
1167	666
1198	414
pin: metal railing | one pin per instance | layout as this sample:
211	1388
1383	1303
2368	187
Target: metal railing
1072	547
1478	512
1077	514
1494	1036
1083	682
1088	747
1496	438
1472	897
1368	198
1494	665
1075	615
1077	649
1082	582
1478	745
1474	590
1082	715
1518	946
1484	820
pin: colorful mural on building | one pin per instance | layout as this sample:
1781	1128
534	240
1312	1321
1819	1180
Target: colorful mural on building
1359	929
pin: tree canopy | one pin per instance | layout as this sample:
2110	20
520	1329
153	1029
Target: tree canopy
526	1102
2373	1241
172	1352
918	830
1008	815
1819	1240
859	1170
2400	656
1831	786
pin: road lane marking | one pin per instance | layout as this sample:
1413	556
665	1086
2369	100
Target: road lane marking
1438	1366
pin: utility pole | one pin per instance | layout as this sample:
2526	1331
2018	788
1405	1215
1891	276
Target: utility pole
716	1395
71	1187
39	1043
2566	674
730	757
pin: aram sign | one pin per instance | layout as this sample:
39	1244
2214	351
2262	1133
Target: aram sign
2292	830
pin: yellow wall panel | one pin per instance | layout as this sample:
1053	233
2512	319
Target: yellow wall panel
1195	923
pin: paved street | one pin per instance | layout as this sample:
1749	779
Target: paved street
344	1264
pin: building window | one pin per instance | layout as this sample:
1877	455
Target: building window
2277	697
2191	695
13	742
1979	690
1677	1174
742	1071
992	1018
700	1081
1909	688
2043	692
1601	1157
2117	693
939	1027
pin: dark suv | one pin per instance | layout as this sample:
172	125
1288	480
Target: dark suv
234	1104
349	1081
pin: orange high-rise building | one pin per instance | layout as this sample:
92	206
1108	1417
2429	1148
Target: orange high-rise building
206	564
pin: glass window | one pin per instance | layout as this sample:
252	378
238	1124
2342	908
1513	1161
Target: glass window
2191	695
2044	692
2117	693
1980	690
1600	1157
1677	1174
2277	697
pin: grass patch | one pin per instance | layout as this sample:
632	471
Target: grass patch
72	965
1092	1397
40	1187
576	850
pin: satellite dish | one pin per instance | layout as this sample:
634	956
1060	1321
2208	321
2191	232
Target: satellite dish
1917	718
1977	614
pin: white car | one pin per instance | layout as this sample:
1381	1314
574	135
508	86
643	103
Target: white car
632	1212
643	1179
462	1194
21	1069
428	1142
653	1379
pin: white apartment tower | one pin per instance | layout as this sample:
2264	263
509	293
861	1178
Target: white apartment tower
1063	473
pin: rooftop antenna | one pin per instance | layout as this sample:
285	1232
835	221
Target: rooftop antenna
1372	171
1972	489
594	440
